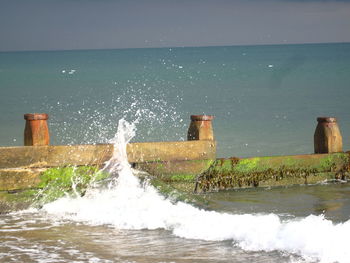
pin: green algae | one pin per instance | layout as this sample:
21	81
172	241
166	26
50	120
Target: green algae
12	201
332	161
183	177
72	180
174	194
178	180
54	183
247	165
184	170
272	171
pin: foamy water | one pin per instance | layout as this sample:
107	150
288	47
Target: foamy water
128	204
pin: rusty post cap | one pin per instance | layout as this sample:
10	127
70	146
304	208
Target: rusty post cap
36	116
202	117
327	119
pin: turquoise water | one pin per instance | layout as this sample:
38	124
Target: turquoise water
265	98
128	221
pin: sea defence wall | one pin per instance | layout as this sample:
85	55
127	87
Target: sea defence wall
274	171
328	163
20	167
29	173
26	171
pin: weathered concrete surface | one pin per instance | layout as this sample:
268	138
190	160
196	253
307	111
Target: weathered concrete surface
55	156
171	151
19	165
51	156
12	201
179	175
52	183
175	170
174	166
273	171
15	179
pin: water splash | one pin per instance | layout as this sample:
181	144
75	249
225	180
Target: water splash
119	164
127	204
95	119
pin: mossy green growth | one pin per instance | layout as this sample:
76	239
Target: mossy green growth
12	201
58	182
19	196
248	165
332	161
175	195
183	177
279	170
225	165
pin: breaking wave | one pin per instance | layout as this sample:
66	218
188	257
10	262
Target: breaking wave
126	203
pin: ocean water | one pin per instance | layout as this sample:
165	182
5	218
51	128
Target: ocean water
265	98
129	221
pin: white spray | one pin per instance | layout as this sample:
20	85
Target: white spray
126	204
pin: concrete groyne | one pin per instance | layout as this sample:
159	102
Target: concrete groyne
29	172
274	171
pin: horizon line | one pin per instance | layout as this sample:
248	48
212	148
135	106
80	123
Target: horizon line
170	47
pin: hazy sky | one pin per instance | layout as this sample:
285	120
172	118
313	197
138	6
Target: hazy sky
90	24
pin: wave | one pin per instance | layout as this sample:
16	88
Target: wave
126	203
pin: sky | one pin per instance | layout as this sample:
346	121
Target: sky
101	24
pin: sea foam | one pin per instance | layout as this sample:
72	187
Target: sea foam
127	204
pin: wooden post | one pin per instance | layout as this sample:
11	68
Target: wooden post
200	128
327	137
36	131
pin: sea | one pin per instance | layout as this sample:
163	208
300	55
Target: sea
265	100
